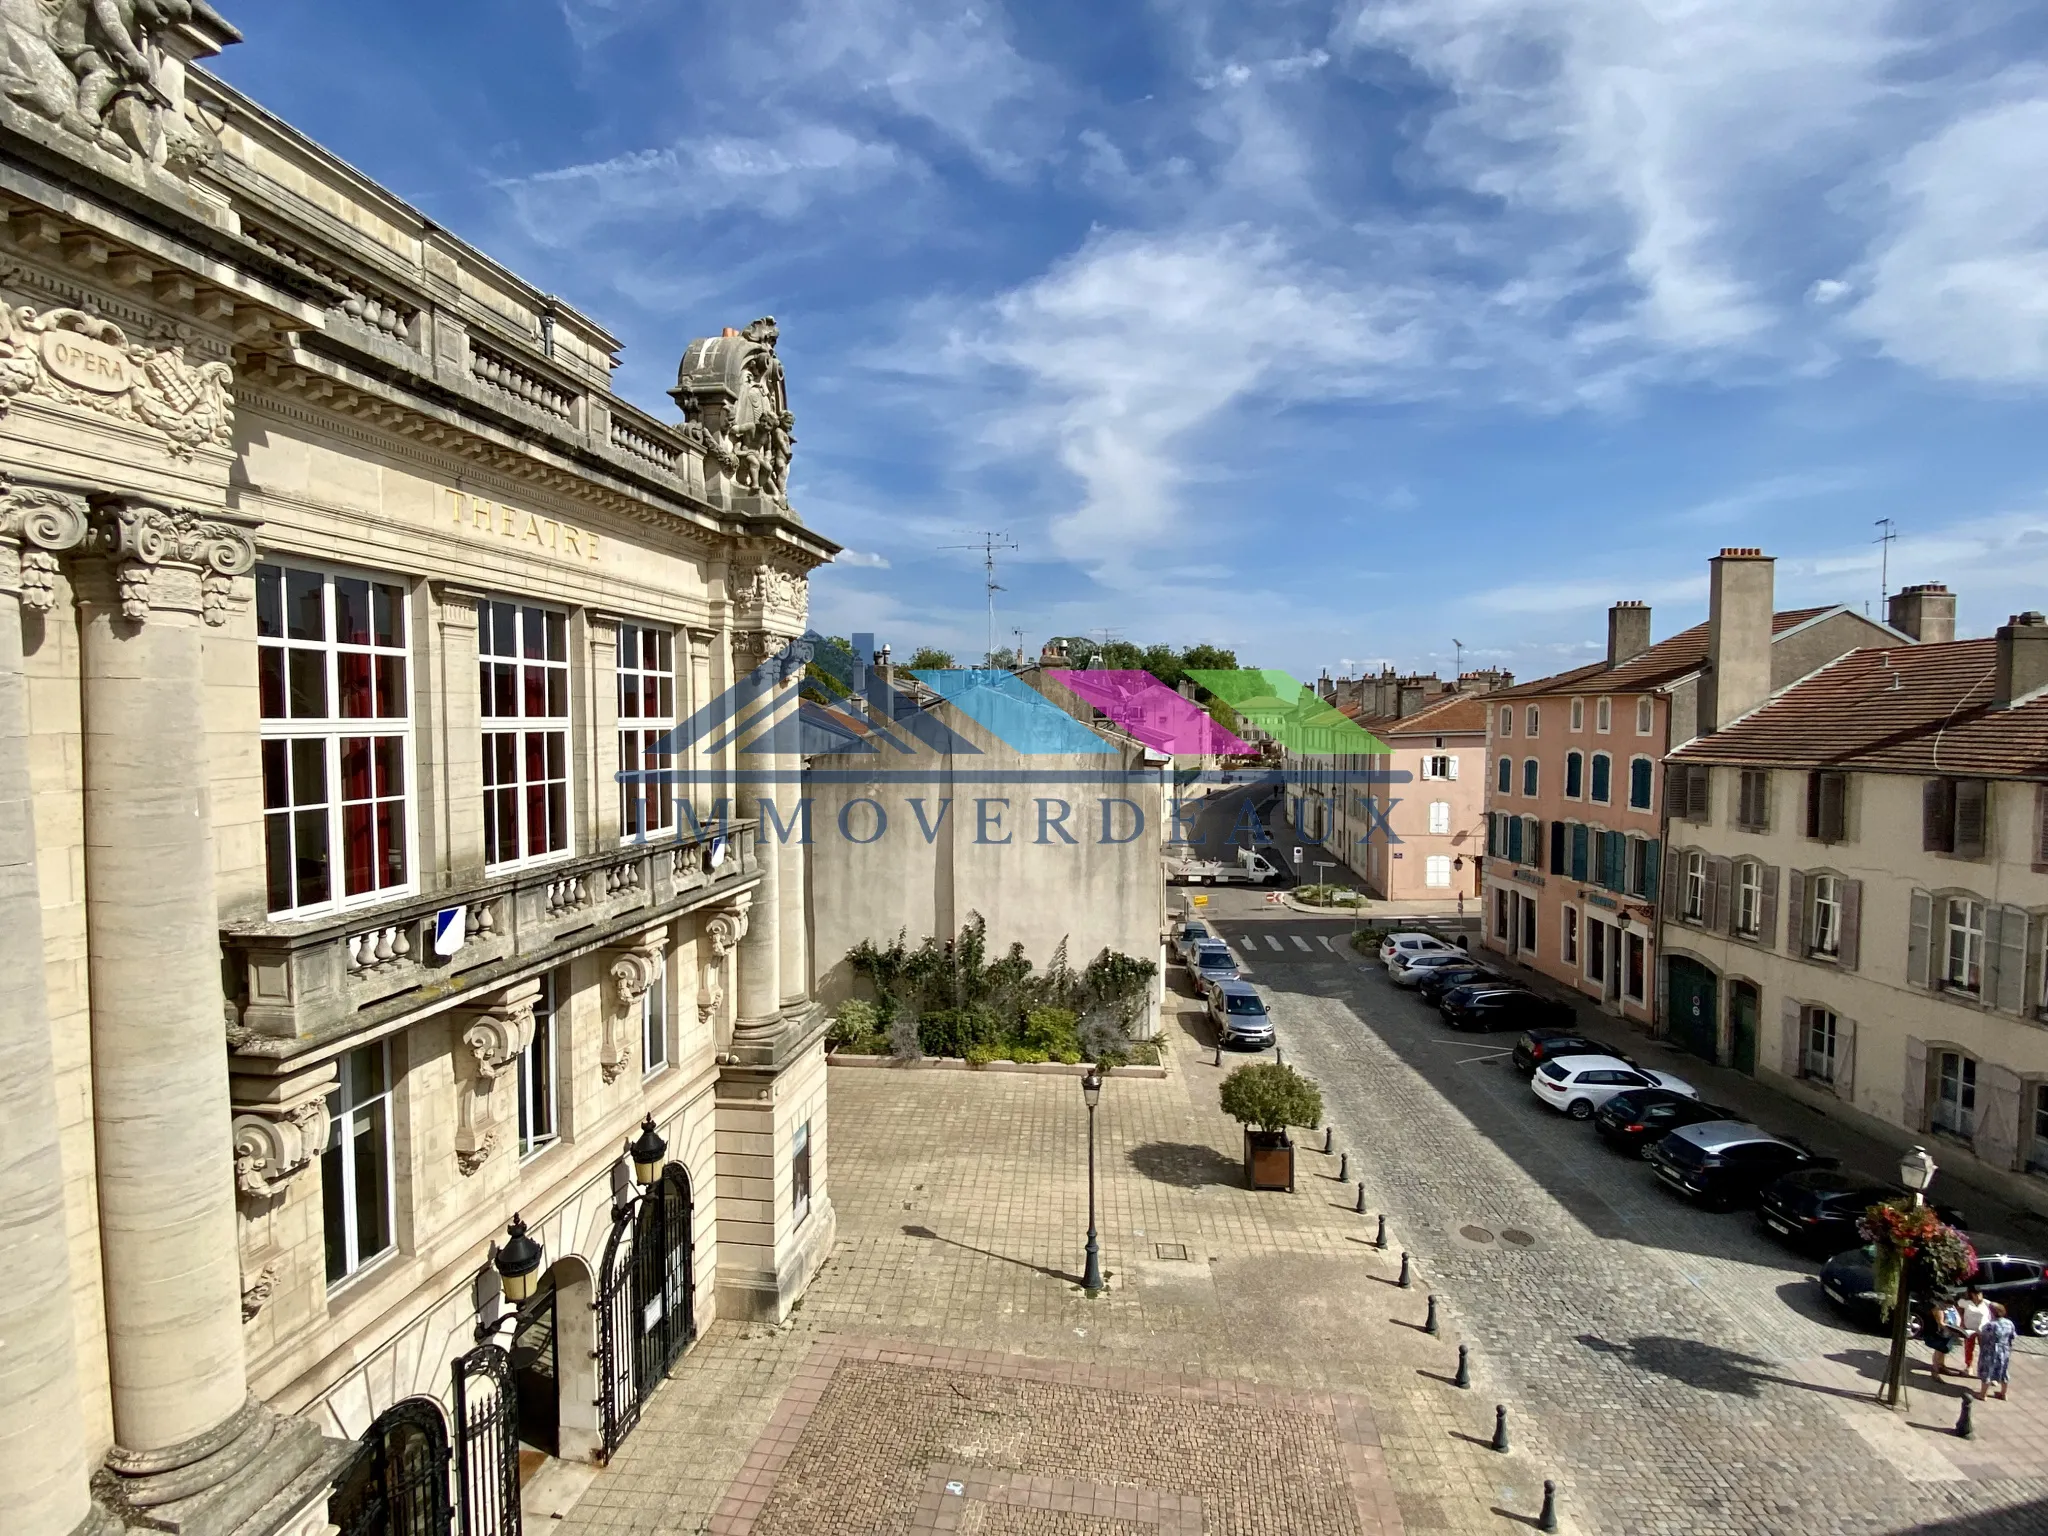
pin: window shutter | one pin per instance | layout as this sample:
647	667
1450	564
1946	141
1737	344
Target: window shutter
1674	884
1492	834
1919	930
1851	949
2030	982
1533	842
2008	953
1938	816
1972	807
1716	914
1452	762
1653	859
1834	807
1845	1060
1915	1095
1515	839
1676	776
2040	828
1767	908
1998	1115
1795	914
1813	804
1698	784
1557	847
1793	1022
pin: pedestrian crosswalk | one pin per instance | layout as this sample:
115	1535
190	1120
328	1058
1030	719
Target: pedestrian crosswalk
1247	945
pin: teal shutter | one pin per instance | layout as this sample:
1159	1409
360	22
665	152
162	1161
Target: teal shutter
1579	851
1653	856
1515	839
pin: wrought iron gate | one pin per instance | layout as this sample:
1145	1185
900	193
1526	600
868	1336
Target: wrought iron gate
646	1308
487	1442
396	1483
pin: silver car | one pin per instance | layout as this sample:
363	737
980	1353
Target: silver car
1212	961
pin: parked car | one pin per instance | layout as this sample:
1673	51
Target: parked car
1212	961
1817	1208
1725	1163
1432	984
1578	1085
1489	1008
1414	944
1191	933
1408	970
2020	1282
1239	1014
1635	1119
1542	1044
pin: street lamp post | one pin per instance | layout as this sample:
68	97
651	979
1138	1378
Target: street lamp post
1091	1092
1916	1172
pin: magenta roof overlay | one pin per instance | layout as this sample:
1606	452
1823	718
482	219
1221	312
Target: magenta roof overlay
1153	713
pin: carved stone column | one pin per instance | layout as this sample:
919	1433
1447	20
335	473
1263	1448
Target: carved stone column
191	1447
40	1427
792	857
492	1037
760	955
630	973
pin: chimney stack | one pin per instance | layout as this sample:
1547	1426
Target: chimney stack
1628	632
1737	677
1926	612
2022	659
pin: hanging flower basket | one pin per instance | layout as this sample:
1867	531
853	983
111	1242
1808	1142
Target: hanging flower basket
1902	1234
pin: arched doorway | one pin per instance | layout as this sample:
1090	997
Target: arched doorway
396	1482
646	1311
536	1383
1691	990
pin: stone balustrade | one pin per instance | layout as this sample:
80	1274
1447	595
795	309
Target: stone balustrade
305	981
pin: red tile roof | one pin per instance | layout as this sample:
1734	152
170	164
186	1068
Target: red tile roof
1664	662
1918	709
1461	714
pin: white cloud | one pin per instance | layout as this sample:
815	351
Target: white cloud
1959	286
862	559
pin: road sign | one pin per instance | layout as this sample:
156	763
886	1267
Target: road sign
1297	853
1201	901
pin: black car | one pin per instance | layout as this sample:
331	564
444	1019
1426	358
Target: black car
2019	1282
1817	1208
1725	1163
1466	973
1634	1121
1540	1045
1488	1008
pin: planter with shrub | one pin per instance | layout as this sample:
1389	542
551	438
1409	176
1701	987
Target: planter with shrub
1266	1098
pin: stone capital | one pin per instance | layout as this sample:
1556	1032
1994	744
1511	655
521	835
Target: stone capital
37	524
170	558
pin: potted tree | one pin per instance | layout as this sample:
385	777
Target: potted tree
1266	1099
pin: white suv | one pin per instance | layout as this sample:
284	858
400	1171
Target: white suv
1409	945
1578	1085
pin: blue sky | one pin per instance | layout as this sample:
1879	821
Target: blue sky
1330	331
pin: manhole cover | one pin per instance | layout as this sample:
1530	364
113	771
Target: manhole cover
1475	1234
1516	1236
1171	1250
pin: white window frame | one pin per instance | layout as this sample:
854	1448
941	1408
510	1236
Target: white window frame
1439	765
350	1117
1822	1043
1603	715
1507	720
1962	949
1578	715
1569	936
1646	716
1532	720
1694	899
1635	866
540	1080
1436	870
646	807
1439	818
654	1055
520	728
1826	937
1955	1093
283	761
1749	898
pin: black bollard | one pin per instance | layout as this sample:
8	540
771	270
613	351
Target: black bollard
1464	1376
1379	1242
1344	1169
1219	1053
1406	1279
1429	1324
1360	1207
1279	1060
1500	1426
1329	1139
1965	1430
1547	1521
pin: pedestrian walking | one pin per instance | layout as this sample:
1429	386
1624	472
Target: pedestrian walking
1973	1312
1994	1352
1938	1332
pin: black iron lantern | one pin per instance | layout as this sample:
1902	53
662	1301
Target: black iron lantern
517	1263
647	1151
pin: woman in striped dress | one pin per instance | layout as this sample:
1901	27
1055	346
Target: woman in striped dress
1994	1351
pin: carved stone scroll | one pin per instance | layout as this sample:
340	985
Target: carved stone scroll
491	1039
37	523
280	1126
145	542
631	974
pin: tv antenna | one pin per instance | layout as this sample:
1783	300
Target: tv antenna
1884	559
1457	658
989	544
1019	634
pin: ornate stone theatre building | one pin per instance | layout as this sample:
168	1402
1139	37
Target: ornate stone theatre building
337	590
